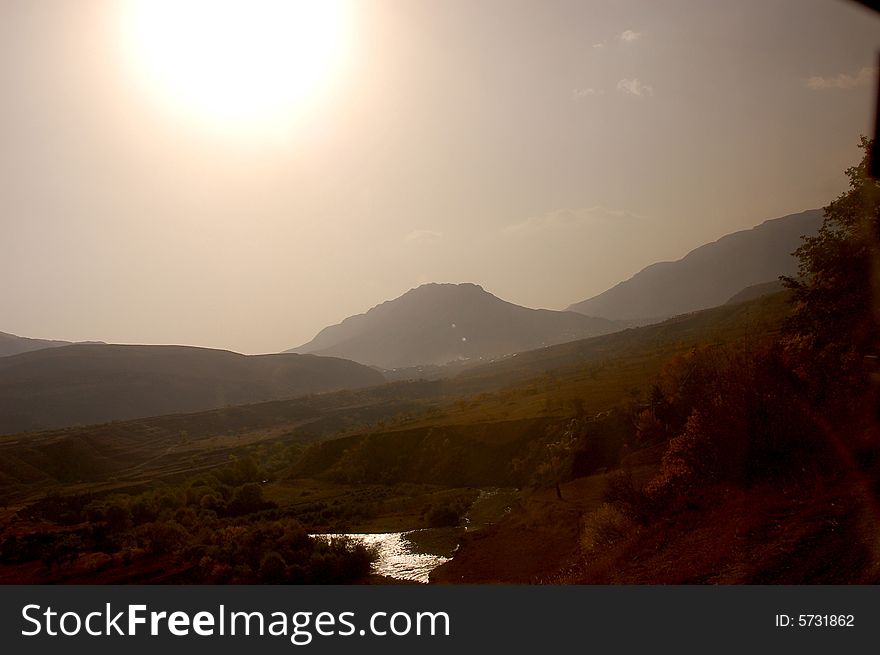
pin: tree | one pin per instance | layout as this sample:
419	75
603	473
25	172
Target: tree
836	293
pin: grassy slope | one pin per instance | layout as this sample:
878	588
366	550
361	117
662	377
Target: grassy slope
91	383
477	454
130	453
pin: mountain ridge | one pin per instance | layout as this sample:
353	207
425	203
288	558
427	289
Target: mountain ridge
95	383
439	323
708	275
12	344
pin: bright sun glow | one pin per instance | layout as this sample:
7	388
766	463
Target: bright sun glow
246	65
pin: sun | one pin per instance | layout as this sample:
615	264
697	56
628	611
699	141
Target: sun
245	65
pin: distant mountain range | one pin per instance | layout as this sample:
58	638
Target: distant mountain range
96	383
46	384
708	276
436	324
11	344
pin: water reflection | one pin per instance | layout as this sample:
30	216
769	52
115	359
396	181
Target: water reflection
409	556
412	555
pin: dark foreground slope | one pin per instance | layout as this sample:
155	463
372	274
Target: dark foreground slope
83	384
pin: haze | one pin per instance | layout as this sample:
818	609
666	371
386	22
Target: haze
545	150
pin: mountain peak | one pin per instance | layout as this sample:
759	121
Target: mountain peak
438	323
453	287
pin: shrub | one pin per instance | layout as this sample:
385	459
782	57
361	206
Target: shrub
442	517
752	423
161	537
605	527
622	492
446	514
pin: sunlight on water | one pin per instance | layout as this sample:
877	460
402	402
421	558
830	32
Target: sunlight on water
399	557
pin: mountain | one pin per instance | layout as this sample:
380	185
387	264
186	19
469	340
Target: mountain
708	276
94	383
435	324
11	344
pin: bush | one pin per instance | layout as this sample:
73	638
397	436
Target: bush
161	537
605	527
447	514
751	423
247	499
443	517
622	492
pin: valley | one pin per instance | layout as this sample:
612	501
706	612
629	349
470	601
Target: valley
689	450
390	459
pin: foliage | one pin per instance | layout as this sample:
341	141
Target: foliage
573	448
627	497
604	527
750	423
214	527
447	513
279	552
835	323
764	410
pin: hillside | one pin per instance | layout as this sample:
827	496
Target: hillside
756	291
435	324
514	392
635	351
11	344
83	384
709	275
408	453
503	407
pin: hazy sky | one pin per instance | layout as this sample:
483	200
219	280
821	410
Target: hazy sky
546	150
